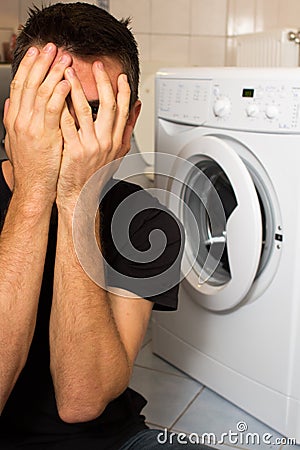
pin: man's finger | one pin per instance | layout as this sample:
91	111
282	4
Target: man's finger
80	104
55	106
35	78
16	86
68	127
122	112
107	109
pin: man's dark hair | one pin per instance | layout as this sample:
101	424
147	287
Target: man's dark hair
85	31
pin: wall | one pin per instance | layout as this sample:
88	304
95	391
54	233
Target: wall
201	32
185	32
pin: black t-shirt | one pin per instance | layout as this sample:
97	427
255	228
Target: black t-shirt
30	414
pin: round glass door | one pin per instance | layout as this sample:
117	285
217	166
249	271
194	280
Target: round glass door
223	250
211	220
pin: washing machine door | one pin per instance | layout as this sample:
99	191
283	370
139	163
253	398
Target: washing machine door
215	197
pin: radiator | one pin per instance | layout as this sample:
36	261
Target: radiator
275	48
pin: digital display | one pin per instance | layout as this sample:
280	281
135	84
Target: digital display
248	93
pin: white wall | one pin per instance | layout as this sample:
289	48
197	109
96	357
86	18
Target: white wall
185	32
201	32
177	31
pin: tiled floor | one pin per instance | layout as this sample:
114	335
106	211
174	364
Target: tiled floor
181	404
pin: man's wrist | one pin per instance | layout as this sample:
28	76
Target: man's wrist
32	204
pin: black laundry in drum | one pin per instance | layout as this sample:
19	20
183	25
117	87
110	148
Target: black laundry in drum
210	197
224	189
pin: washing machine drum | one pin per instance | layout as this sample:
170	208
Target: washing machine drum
215	197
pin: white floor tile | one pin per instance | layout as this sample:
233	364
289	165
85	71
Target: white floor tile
290	447
168	395
210	413
181	404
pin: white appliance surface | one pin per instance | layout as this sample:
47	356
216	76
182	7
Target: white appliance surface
237	329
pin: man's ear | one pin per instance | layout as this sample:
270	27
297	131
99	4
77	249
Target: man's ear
131	121
134	113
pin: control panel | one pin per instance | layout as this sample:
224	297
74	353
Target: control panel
242	104
185	101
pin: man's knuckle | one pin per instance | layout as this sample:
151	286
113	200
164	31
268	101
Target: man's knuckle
31	83
109	105
69	121
106	144
52	109
19	125
44	91
86	111
124	113
113	106
32	132
15	85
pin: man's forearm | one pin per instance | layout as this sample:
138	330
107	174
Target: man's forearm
89	363
23	244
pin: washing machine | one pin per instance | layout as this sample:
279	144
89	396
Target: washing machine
227	164
140	168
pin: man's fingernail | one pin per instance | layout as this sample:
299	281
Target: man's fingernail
48	48
64	58
31	51
70	72
100	65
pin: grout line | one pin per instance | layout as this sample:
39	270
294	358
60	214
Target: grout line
163	371
145	343
185	377
160	427
187	406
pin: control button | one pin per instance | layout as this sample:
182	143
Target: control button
222	107
216	91
272	112
252	110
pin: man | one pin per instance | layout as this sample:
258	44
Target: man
67	343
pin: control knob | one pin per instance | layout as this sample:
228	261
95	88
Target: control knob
272	112
252	110
222	107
